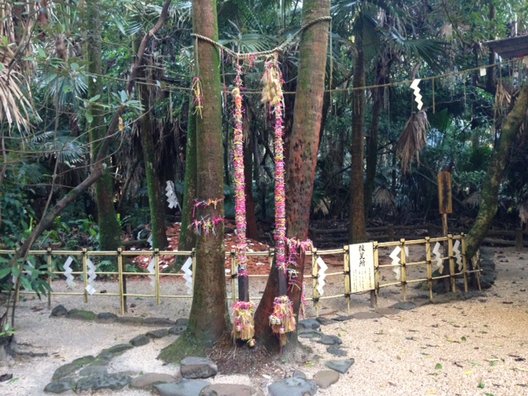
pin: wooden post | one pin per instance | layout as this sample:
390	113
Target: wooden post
85	273
451	257
429	264
519	239
403	274
193	266
120	277
374	293
157	276
50	270
445	200
234	274
464	261
346	272
315	281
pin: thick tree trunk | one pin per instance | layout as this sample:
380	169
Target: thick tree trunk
187	239
357	200
209	319
109	229
499	162
155	198
302	153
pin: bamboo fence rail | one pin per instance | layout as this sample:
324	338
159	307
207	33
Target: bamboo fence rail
453	254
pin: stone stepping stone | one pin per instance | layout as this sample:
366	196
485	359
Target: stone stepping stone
336	350
59	311
114	381
160	333
228	390
367	315
147	381
323	320
60	386
340	366
116	350
309	324
404	305
81	314
293	386
140	340
70	368
325	378
185	387
387	311
93	371
299	374
106	317
159	321
330	340
304	333
177	330
197	367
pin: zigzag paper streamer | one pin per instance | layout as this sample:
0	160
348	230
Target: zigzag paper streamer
396	261
172	198
187	274
152	270
438	257
91	277
70	280
321	283
458	256
417	96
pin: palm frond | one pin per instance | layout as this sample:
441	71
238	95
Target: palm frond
412	140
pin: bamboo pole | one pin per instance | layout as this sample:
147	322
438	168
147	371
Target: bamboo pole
122	301
429	264
374	293
315	281
377	270
157	276
346	273
50	270
451	257
464	262
85	273
403	272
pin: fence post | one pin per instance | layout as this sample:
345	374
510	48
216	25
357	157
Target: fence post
403	271
464	261
346	272
193	266
50	269
374	293
85	273
157	276
452	269
315	280
122	303
234	274
429	264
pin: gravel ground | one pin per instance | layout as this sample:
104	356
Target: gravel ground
474	346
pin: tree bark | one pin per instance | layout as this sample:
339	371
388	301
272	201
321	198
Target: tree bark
209	319
499	162
109	229
155	198
302	155
357	229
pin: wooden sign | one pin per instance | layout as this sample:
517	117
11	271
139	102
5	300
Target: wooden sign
445	202
362	267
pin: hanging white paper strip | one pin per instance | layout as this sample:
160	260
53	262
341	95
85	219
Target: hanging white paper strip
172	198
458	256
91	277
483	71
417	96
396	261
187	274
70	280
438	257
152	270
321	283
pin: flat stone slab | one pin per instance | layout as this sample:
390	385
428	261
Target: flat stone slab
113	351
299	374
309	324
325	378
304	333
323	320
404	305
147	381
60	386
185	387
387	311
113	381
160	333
81	314
330	340
70	368
228	390
177	329
197	367
293	386
140	340
367	315
92	370
159	321
106	317
59	311
340	366
336	350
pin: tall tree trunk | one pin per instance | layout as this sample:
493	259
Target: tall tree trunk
155	198
500	159
302	153
357	228
109	229
187	239
209	318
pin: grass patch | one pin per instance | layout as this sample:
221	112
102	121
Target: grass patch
184	346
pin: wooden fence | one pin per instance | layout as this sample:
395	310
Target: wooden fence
390	259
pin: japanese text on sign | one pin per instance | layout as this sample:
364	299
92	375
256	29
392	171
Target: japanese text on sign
362	267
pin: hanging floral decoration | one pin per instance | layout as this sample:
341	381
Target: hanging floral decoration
205	225
282	320
197	93
243	311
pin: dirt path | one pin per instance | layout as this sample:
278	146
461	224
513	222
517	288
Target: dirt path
477	346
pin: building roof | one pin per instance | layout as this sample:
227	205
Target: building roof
513	47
